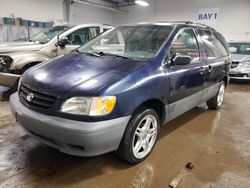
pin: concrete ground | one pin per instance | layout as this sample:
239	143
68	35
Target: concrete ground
216	142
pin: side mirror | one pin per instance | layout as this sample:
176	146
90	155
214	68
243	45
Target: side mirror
62	43
180	59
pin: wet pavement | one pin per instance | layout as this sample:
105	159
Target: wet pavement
216	142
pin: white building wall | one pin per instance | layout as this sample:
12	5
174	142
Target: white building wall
80	13
233	20
37	10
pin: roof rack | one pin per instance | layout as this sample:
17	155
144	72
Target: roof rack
188	23
183	22
200	24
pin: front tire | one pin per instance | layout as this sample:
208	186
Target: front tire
140	136
216	102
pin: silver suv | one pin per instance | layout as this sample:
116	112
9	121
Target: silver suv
240	69
17	57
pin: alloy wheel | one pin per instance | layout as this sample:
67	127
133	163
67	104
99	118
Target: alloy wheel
145	136
221	94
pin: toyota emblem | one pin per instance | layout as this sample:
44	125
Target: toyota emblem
30	96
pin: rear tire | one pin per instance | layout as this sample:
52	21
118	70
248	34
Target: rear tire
140	136
216	102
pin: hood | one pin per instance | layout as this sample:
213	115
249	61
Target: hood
240	57
245	69
78	74
240	69
19	47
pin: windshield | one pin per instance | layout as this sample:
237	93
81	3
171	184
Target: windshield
136	42
45	36
239	48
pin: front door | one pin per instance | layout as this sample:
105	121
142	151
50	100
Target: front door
186	81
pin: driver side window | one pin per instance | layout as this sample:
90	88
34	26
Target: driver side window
81	36
186	43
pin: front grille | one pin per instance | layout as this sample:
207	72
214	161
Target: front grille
34	99
238	75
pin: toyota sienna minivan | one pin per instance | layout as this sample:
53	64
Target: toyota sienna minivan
114	92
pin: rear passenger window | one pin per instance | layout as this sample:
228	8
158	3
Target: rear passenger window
225	50
186	43
214	48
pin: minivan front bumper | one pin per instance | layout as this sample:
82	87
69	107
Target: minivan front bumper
69	136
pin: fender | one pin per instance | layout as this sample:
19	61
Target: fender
20	59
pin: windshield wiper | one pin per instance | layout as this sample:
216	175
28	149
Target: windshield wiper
88	53
115	55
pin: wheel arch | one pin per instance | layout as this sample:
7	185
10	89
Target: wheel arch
226	80
154	104
29	65
27	58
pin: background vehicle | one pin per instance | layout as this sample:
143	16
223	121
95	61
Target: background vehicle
17	57
99	98
240	69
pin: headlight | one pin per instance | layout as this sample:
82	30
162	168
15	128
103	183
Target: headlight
245	64
5	61
95	106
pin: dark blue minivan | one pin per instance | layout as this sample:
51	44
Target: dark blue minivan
114	92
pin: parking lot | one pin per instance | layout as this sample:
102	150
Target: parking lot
215	142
